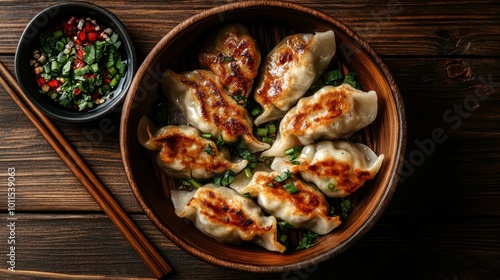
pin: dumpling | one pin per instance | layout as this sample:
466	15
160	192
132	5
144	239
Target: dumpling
289	70
302	205
206	105
183	153
234	58
226	216
328	114
338	168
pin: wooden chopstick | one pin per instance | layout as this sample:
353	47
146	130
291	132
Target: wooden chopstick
72	159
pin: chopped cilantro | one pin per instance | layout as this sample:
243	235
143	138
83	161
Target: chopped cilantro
331	211
346	208
225	179
241	149
307	240
351	79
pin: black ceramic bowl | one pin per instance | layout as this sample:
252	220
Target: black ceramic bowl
48	19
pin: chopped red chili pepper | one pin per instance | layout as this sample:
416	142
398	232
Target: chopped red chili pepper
77	91
78	63
82	36
89	27
92	36
80	54
40	81
68	26
53	83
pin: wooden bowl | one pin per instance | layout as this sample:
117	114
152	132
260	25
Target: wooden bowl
269	21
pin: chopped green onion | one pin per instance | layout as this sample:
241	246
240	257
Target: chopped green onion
331	212
59	46
268	140
346	208
206	135
271	129
114	81
284	225
112	71
241	149
46	68
283	238
123	69
225	179
290	188
191	182
94	67
282	177
220	141
57	33
256	111
248	172
247	195
262	132
267	161
331	187
54	66
209	149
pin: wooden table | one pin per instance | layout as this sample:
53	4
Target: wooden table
442	223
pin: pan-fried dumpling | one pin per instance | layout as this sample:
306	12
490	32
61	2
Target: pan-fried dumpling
227	216
330	113
291	199
234	58
289	70
183	153
206	105
338	168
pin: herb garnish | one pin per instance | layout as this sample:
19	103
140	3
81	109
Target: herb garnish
285	181
335	78
293	153
209	149
346	208
191	182
225	179
307	240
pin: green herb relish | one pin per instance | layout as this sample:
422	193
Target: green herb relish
78	64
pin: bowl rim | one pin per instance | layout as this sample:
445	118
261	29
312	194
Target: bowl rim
128	45
373	217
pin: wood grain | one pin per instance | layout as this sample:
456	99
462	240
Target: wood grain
381	23
406	243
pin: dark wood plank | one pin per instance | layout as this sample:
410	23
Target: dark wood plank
391	27
54	246
460	174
